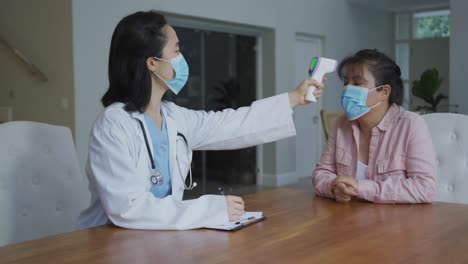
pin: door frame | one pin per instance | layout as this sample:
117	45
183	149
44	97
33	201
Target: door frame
301	36
313	38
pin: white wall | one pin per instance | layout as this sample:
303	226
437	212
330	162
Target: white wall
345	28
41	30
458	54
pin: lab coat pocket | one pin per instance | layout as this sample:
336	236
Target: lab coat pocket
343	162
394	166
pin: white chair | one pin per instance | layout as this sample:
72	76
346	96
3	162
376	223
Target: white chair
450	137
42	188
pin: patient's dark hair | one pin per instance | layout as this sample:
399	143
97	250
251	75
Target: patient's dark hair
384	70
136	38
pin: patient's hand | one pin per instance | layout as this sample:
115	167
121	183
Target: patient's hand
347	180
343	193
344	188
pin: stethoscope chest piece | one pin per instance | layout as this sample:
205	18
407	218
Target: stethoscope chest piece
157	178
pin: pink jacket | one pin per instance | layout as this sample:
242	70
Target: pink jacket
401	167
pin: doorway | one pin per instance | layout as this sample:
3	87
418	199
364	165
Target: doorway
222	75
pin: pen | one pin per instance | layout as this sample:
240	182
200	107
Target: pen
220	189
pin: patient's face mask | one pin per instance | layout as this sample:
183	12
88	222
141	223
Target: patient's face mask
181	69
354	100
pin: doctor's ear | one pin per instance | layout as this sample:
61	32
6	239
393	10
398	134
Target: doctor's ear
151	63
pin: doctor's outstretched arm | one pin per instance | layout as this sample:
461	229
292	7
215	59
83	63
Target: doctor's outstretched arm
265	121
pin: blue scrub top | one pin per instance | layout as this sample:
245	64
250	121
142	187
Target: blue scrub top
161	156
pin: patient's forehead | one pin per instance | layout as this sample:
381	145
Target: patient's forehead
358	72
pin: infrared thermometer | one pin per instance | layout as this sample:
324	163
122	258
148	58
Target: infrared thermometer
319	66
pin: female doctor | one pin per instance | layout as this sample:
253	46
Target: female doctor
140	147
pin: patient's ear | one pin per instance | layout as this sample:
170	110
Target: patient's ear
386	90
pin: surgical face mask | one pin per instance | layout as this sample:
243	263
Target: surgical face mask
181	69
354	100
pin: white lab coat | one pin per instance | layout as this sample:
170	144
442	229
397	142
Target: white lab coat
119	167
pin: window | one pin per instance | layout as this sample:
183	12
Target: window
410	27
435	24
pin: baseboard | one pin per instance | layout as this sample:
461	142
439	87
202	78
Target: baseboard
282	179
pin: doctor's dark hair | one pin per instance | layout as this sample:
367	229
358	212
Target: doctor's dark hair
136	38
384	70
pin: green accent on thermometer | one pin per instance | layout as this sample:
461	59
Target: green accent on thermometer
313	63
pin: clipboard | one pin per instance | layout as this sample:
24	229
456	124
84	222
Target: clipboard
247	218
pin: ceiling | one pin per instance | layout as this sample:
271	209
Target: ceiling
402	5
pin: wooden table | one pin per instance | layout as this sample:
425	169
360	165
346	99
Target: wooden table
299	229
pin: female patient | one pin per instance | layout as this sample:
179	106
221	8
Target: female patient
377	151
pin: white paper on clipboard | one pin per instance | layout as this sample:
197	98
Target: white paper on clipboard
246	219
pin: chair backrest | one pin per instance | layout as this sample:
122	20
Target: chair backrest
450	137
42	188
328	121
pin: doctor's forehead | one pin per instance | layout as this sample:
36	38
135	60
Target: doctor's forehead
171	35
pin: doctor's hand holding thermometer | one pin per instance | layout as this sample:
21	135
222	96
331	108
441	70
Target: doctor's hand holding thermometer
298	95
319	66
141	147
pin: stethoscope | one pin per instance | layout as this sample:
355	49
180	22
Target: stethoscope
156	177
